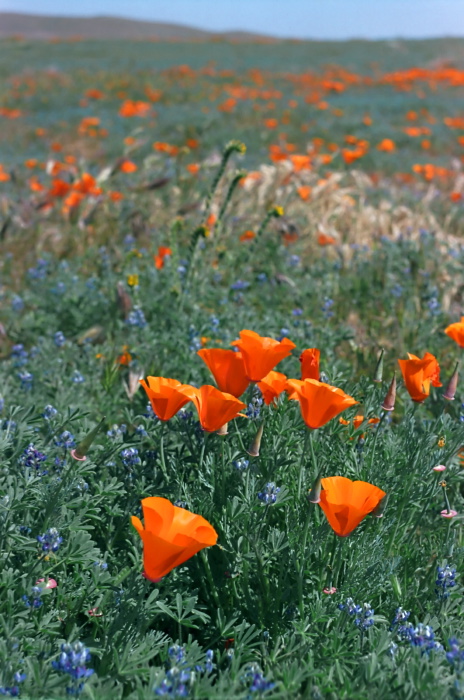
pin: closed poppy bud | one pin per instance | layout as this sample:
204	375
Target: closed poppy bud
314	496
166	396
389	400
418	374
309	360
170	536
253	450
81	450
452	385
215	408
261	354
227	368
379	368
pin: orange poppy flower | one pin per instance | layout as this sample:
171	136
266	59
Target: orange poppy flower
386	145
324	239
247	236
304	192
163	252
261	354
419	374
456	332
166	396
193	168
171	536
319	402
215	408
272	385
309	360
345	503
128	166
227	368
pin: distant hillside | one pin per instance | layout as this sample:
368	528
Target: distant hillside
44	27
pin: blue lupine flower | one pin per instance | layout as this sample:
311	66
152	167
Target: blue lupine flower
400	616
297	312
12	691
50	540
59	339
364	619
241	464
421	636
397	291
350	607
66	440
239	285
40	271
256	682
269	494
261	277
136	318
294	260
77	377
101	565
181	270
49	412
26	379
17	304
254	407
59	289
73	660
130	457
445	579
327	306
455	656
36	602
33	459
116	431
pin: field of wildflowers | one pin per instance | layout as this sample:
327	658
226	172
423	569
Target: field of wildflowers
231	422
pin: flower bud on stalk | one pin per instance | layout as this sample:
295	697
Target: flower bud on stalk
389	401
253	450
81	450
452	385
379	367
314	495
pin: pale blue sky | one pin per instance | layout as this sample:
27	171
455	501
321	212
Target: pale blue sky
318	19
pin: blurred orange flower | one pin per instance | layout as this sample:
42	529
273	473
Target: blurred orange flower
128	166
159	258
456	332
346	503
170	536
323	239
386	145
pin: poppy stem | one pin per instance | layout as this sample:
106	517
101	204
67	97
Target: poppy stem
209	576
377	431
162	457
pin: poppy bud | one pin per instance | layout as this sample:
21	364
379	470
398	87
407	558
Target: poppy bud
389	401
133	383
452	385
124	300
253	450
83	447
314	495
379	509
379	367
223	430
